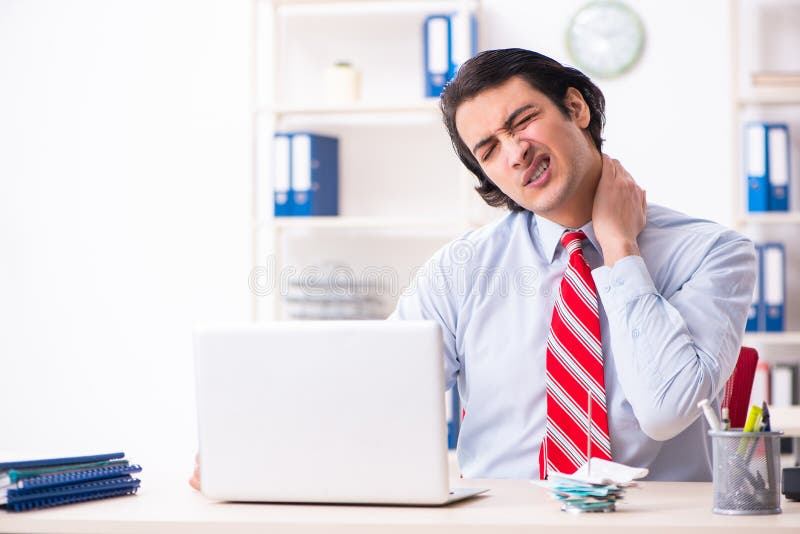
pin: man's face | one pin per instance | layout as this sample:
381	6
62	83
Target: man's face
529	149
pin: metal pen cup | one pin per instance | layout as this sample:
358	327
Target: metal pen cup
747	472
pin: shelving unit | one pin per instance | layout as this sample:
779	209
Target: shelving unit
761	93
402	191
769	96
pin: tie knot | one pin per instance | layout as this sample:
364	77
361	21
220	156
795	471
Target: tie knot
572	241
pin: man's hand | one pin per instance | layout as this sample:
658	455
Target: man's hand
195	480
619	213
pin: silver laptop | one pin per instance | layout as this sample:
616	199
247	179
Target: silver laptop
323	411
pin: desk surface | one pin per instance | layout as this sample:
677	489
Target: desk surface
165	503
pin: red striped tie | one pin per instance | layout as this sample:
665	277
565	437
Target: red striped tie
574	370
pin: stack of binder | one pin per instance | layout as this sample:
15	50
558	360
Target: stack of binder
767	310
31	484
767	166
306	175
449	40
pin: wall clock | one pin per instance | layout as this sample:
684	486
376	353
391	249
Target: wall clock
605	38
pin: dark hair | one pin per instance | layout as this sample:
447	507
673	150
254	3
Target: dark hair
493	68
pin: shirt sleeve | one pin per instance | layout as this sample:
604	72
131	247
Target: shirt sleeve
431	297
672	353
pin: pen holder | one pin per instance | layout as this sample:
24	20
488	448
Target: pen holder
747	472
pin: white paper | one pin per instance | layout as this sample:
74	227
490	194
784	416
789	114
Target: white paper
607	473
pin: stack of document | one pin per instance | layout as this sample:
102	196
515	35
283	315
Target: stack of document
592	490
44	482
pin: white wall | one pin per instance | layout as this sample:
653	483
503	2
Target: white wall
125	190
124	214
669	118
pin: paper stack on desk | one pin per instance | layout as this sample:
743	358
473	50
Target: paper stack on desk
49	481
592	490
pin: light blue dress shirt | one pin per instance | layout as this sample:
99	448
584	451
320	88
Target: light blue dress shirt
672	322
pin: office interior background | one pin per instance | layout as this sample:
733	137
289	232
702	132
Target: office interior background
131	198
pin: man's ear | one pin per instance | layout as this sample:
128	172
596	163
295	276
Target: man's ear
577	107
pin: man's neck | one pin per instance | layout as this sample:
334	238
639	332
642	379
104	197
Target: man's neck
579	209
576	217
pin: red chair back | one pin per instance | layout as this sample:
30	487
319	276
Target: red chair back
737	389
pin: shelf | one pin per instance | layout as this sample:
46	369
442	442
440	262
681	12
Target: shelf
429	226
367	7
770	95
771	338
776	79
786	217
425	105
413	112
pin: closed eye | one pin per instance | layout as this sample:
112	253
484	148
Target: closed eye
488	153
524	121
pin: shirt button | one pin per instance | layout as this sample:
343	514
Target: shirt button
607	289
635	332
619	281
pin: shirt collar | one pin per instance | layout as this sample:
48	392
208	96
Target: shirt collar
550	236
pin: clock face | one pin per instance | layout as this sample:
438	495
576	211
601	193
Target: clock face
605	38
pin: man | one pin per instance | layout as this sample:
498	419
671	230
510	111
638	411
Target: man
672	292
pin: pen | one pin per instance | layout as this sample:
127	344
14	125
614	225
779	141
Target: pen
726	420
765	424
711	417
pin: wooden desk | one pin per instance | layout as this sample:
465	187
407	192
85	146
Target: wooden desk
166	504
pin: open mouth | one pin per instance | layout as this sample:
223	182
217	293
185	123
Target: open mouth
537	172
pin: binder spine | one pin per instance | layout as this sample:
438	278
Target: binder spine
72	494
774	294
74	477
778	166
438	53
59	462
16	475
325	175
301	174
282	175
755	316
315	175
756	167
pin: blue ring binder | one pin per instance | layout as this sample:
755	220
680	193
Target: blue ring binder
72	494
